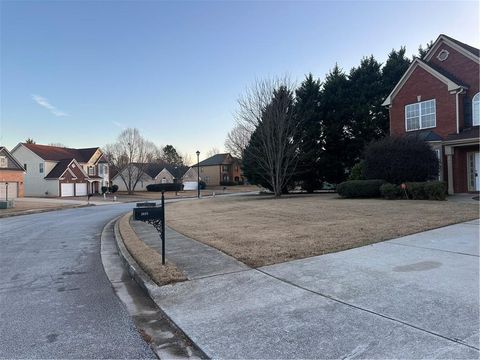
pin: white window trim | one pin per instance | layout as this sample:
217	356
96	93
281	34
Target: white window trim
41	168
477	95
3	162
420	115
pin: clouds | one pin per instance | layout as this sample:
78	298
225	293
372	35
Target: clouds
44	103
120	125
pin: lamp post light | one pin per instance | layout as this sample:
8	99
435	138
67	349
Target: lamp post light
198	174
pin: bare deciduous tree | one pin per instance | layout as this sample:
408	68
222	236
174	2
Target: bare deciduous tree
237	140
129	156
266	111
213	151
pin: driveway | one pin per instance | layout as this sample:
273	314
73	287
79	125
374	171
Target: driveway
412	297
55	299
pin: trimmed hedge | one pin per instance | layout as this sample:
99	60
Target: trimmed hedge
429	190
165	187
360	188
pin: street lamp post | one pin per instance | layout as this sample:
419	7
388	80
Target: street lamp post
198	174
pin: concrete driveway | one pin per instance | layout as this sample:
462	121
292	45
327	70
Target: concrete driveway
412	297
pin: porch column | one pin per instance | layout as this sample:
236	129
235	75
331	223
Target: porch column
449	152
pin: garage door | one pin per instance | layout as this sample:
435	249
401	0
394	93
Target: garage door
12	190
66	190
81	189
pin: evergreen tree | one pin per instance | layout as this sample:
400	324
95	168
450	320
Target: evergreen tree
335	110
308	116
367	119
423	51
171	156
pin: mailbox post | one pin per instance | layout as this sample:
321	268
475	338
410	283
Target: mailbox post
153	215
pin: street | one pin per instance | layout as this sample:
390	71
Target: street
55	299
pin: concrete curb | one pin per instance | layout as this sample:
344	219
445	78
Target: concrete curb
39	211
146	283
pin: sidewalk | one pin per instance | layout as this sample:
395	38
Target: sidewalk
412	297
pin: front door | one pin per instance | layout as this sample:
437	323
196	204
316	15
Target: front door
477	171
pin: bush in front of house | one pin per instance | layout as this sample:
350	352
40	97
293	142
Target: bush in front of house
228	183
104	189
202	184
165	187
391	191
360	188
357	171
114	188
400	159
427	190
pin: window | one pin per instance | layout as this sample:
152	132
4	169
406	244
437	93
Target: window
164	181
91	170
476	110
225	168
25	167
443	55
421	115
3	161
40	168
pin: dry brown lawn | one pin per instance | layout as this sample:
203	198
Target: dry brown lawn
148	258
260	230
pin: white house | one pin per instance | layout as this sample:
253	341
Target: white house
58	171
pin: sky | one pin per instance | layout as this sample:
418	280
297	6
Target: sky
78	72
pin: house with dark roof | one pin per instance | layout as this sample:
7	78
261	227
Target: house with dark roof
438	100
11	176
219	169
60	171
148	173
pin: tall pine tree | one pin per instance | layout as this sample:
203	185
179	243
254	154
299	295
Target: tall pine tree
309	118
335	112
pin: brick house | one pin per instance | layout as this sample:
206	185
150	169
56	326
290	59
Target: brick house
220	168
11	176
59	171
438	100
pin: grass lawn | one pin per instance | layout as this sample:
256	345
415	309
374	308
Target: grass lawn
260	230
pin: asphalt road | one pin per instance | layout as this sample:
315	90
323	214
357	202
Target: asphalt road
55	299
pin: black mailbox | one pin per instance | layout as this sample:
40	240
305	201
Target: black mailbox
148	213
146	204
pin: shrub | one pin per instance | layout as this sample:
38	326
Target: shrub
400	159
104	189
416	190
165	187
436	190
360	188
391	191
114	189
228	183
357	171
202	184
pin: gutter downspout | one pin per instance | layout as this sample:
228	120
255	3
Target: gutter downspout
457	110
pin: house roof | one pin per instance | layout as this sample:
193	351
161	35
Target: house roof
56	153
153	169
467	50
218	159
465	134
62	166
425	135
18	166
451	83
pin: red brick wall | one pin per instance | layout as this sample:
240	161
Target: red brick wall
461	67
13	176
421	83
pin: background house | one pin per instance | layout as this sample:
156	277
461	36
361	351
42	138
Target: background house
219	169
11	176
438	100
59	171
154	173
